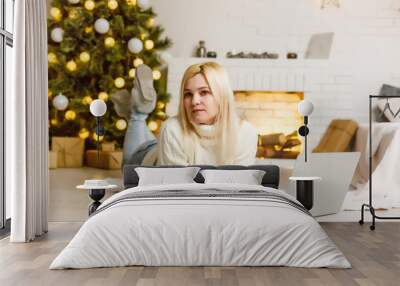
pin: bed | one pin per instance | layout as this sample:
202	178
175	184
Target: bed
201	224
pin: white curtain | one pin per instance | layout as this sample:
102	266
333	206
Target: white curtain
27	123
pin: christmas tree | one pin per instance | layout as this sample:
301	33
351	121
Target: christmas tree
94	49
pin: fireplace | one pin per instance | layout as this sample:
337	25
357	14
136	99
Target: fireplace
275	116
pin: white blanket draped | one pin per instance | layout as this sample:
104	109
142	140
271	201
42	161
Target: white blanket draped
385	166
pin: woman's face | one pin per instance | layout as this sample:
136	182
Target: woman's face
200	104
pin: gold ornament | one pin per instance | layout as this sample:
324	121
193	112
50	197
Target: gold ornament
71	65
137	62
73	14
95	137
54	121
121	124
132	72
89	5
153	125
148	44
103	96
143	36
88	29
112	4
150	22
161	114
119	82
70	115
87	100
56	14
109	42
84	57
52	58
131	2
160	105
156	74
84	133
49	93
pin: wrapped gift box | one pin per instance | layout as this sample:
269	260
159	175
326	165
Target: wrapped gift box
52	159
105	160
108	146
70	151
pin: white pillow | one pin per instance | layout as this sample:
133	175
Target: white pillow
248	177
163	176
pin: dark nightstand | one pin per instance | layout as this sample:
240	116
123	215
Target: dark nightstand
305	190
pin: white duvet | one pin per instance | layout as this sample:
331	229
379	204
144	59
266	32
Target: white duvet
200	231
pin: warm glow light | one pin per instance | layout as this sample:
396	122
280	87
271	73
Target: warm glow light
95	137
103	95
70	115
143	36
132	72
84	133
109	42
84	57
156	74
160	105
137	62
89	5
119	82
150	22
153	125
49	93
161	114
73	14
88	29
131	2
87	100
52	58
71	66
148	44
54	121
121	124
55	13
112	4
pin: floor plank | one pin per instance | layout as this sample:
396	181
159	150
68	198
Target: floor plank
374	255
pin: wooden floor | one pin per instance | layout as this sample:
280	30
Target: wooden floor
374	255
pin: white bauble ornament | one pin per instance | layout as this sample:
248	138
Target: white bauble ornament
60	102
135	45
98	108
73	1
144	4
101	26
57	35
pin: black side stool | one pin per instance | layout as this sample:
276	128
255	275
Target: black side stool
97	190
305	190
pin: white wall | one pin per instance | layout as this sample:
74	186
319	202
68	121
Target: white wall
367	31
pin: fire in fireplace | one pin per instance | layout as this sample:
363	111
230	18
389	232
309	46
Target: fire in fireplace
275	116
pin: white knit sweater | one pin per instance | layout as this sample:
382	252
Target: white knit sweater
171	152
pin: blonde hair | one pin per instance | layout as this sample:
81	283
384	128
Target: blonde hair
226	122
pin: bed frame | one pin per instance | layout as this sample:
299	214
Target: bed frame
270	179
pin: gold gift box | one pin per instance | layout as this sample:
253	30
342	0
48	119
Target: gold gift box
105	160
69	150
